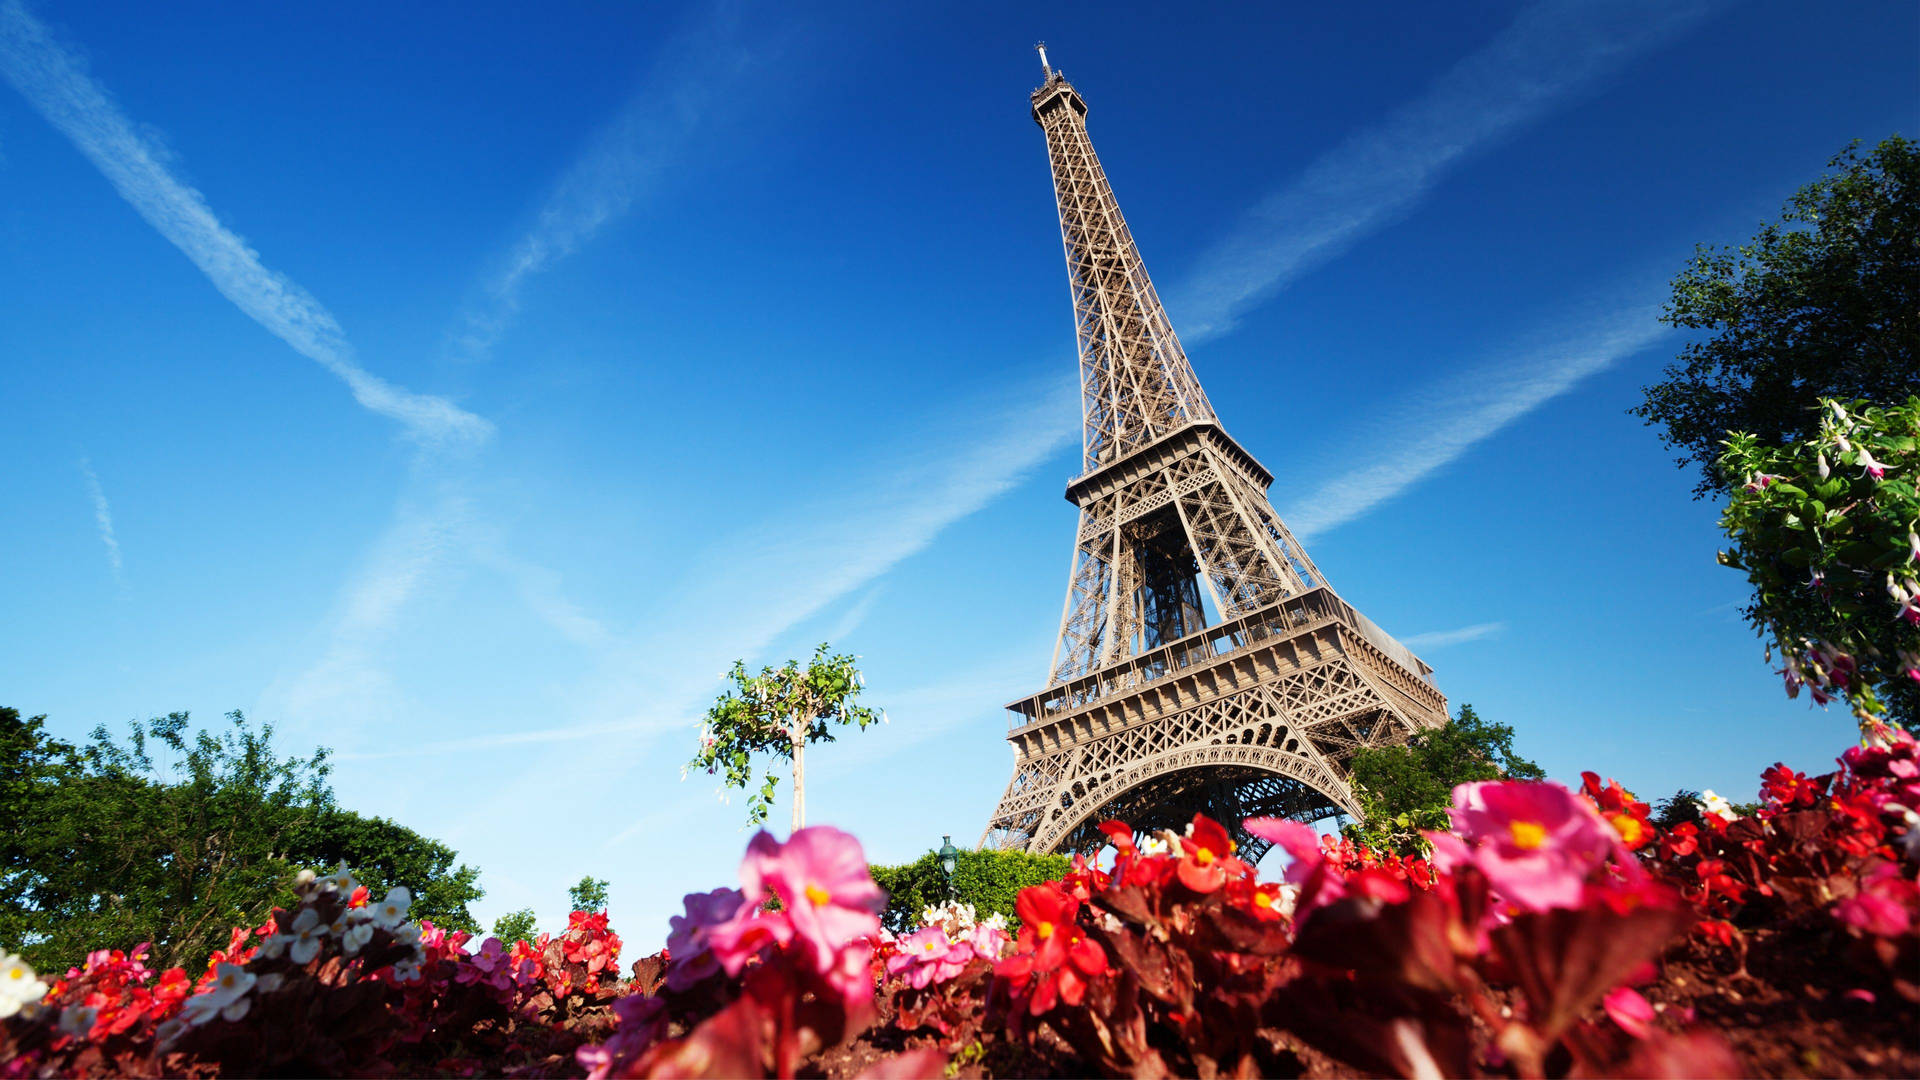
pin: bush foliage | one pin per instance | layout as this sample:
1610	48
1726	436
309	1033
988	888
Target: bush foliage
105	844
989	880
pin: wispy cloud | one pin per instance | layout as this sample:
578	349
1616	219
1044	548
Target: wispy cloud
102	517
351	677
1450	417
1548	55
756	585
1440	639
55	81
624	162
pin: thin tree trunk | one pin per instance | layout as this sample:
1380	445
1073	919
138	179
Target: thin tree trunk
800	782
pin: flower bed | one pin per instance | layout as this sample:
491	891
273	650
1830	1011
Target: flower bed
1551	933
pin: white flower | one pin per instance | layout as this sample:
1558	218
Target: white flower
1825	470
304	881
268	983
77	1020
303	944
231	982
1717	806
198	1010
1868	466
393	910
236	1009
1153	845
18	986
356	938
407	933
273	947
340	880
405	971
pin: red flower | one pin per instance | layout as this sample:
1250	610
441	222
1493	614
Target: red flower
1626	814
1054	958
1206	856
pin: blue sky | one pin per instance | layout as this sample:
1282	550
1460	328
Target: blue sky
463	389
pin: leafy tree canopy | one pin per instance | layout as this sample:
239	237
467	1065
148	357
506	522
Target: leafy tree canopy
589	895
777	713
514	926
1824	302
989	880
1405	789
107	847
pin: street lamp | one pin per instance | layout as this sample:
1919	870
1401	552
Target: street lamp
949	861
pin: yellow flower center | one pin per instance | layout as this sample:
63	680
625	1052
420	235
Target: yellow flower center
1043	929
1628	827
1203	856
1528	834
817	896
1261	899
16	973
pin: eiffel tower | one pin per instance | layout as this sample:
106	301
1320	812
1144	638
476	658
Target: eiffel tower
1203	662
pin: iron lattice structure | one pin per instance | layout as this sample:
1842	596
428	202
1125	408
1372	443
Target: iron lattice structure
1203	663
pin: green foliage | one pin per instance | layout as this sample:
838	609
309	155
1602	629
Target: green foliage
776	713
514	926
1831	551
1682	806
589	895
989	880
1823	303
107	847
1407	789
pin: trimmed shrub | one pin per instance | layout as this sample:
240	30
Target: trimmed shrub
989	880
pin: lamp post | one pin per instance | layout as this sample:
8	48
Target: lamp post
949	861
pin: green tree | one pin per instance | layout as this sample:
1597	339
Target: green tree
1406	789
1824	302
514	926
1682	806
108	847
777	713
989	880
1825	530
589	895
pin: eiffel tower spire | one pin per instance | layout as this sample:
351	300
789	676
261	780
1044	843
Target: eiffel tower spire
1203	663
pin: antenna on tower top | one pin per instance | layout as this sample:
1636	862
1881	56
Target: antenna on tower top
1041	48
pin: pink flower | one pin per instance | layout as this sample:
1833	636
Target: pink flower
1886	904
688	946
1631	1011
1868	466
827	898
988	942
1536	842
1320	882
926	956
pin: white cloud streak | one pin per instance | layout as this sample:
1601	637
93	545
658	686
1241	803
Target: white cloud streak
1459	413
1440	639
102	517
55	82
624	161
1549	54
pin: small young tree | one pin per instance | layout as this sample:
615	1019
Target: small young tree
589	895
778	712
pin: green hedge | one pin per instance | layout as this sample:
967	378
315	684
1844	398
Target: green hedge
989	880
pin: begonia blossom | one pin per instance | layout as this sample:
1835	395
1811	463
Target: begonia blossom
1536	842
18	984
